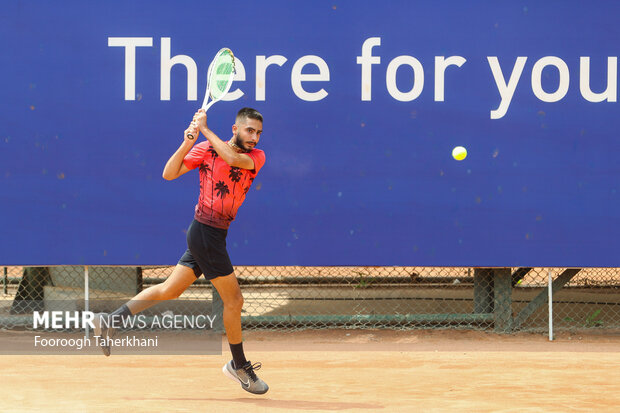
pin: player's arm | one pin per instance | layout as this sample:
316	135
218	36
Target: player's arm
223	149
175	166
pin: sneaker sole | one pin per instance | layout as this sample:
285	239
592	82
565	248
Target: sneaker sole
236	380
99	332
229	374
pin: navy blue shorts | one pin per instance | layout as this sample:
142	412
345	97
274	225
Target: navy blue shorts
206	253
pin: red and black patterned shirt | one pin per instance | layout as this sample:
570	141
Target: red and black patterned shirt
222	187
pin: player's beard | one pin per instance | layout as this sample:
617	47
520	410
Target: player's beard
237	141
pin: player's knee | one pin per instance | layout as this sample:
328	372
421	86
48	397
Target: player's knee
235	302
169	293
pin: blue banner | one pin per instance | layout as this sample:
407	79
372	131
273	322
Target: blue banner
363	104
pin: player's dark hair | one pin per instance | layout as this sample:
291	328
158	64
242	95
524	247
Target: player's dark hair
245	113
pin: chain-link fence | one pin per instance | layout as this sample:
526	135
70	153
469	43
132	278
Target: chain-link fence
496	299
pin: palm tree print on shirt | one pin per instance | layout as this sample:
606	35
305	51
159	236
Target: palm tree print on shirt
204	169
214	155
245	191
222	190
235	176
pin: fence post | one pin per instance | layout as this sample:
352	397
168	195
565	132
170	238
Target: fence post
550	291
87	330
6	280
139	280
502	310
483	290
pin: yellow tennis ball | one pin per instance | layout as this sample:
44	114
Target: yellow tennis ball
459	153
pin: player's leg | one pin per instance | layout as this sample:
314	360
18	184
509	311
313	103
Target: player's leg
228	289
207	245
238	369
182	277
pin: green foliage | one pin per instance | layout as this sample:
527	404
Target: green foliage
364	280
591	321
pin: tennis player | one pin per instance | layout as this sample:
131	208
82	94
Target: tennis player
226	171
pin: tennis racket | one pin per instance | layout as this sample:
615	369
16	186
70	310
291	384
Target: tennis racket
219	78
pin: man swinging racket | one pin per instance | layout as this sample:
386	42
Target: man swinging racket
227	170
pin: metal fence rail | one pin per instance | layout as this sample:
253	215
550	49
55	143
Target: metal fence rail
497	299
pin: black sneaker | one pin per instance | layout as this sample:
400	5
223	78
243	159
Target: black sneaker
246	377
103	331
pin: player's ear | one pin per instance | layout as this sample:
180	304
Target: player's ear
234	128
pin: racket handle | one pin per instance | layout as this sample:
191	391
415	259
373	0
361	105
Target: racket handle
190	136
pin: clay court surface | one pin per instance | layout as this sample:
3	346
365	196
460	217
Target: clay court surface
336	370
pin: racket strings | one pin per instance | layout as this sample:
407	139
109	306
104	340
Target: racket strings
222	76
219	76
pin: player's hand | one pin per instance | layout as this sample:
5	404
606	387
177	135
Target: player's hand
191	133
200	119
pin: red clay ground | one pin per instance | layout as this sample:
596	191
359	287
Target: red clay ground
336	370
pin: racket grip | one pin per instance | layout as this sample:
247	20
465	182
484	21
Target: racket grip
189	135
